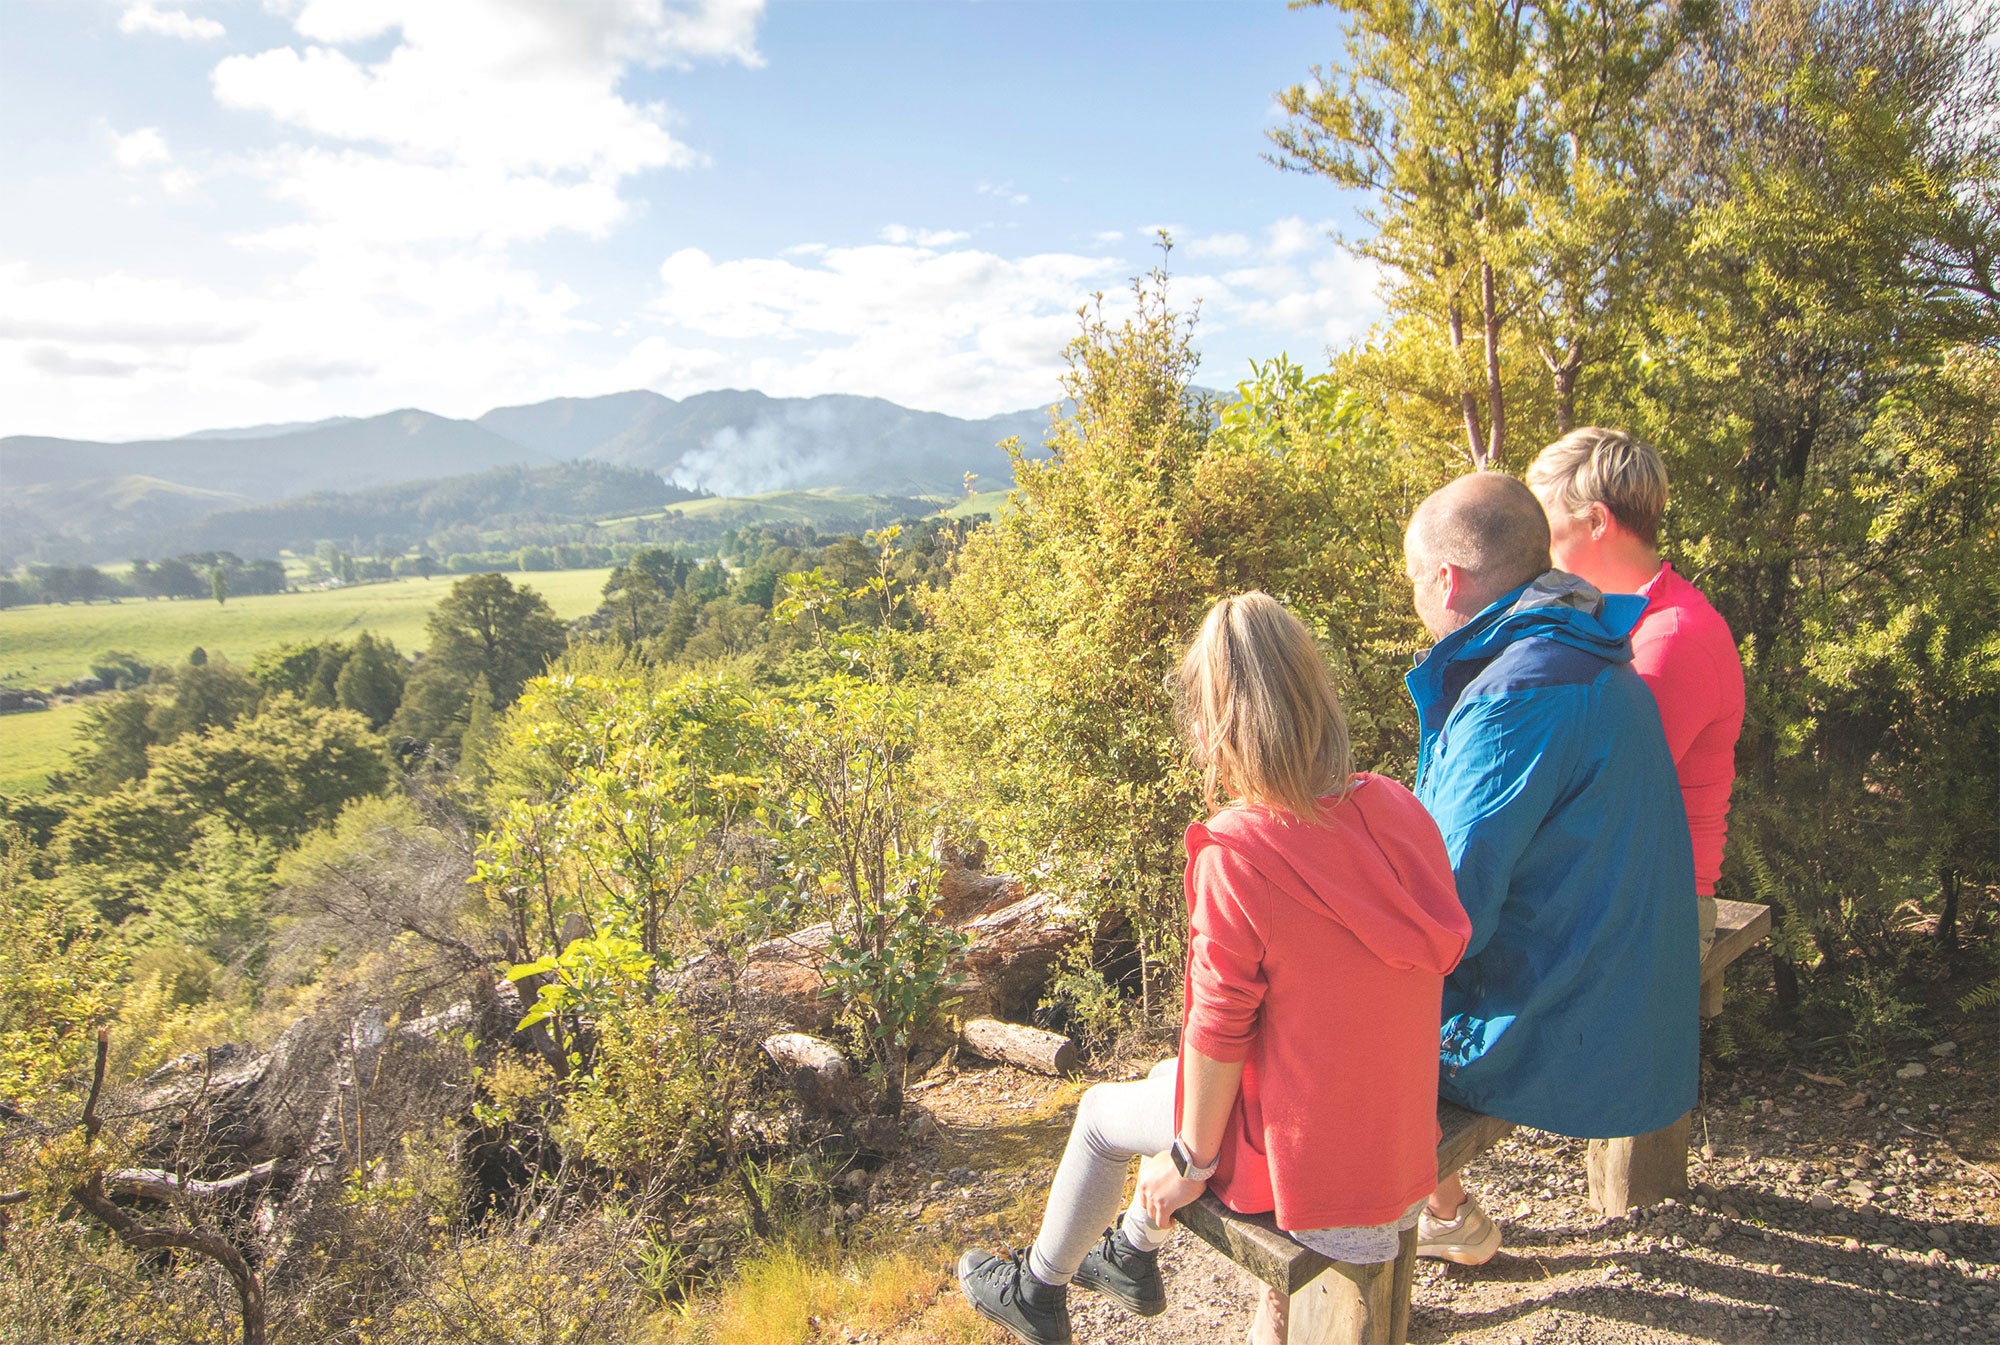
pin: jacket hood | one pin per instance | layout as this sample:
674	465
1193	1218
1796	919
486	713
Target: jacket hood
1376	866
1558	606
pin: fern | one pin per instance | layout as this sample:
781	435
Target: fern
1985	997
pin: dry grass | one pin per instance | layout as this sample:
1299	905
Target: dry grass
796	1294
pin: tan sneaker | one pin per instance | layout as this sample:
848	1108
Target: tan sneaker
1471	1239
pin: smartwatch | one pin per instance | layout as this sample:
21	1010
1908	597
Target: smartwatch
1185	1165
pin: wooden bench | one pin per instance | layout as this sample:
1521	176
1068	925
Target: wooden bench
1370	1305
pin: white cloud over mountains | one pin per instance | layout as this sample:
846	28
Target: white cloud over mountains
424	148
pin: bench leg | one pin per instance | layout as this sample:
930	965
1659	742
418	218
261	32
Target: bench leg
1641	1170
1711	996
1357	1305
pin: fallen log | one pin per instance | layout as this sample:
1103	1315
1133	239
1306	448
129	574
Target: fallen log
159	1184
1028	1048
817	1072
1011	954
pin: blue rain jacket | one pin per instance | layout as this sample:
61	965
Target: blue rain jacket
1543	761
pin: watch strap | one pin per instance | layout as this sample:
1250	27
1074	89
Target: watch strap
1185	1165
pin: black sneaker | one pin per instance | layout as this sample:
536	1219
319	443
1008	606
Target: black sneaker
1115	1267
1004	1293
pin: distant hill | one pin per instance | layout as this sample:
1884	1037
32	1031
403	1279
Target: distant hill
268	431
103	516
257	488
744	443
391	519
341	455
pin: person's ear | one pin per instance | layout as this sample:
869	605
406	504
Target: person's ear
1600	520
1450	582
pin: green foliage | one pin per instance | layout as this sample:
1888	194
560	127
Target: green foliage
1822	379
1509	150
485	627
123	670
595	976
59	985
1063	619
623	783
205	697
371	681
854	836
278	776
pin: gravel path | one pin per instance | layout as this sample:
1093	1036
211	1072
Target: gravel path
1824	1210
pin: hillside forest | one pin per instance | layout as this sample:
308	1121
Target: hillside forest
358	998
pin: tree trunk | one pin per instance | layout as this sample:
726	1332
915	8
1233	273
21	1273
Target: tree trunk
1026	1047
1475	442
1496	410
1948	917
1566	394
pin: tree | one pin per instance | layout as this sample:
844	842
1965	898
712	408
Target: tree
111	744
276	776
294	669
1508	150
855	844
1825	369
62	975
485	627
371	681
218	585
1063	618
205	696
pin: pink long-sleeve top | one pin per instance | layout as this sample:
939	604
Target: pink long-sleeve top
1683	650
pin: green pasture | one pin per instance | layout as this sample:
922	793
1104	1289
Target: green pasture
984	502
47	646
34	743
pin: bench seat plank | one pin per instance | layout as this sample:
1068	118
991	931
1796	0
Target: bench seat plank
1256	1243
1739	927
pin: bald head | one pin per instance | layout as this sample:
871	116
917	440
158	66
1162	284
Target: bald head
1486	525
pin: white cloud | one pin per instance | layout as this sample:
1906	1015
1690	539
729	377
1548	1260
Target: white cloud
923	238
500	120
972	332
143	148
1218	245
1291	236
1109	236
962	329
1003	191
146	16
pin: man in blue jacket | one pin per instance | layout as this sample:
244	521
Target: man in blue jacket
1542	758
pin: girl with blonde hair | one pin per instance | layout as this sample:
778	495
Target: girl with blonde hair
1322	919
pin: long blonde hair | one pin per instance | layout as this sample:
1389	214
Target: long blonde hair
1259	711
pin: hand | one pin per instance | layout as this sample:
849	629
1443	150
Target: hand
1162	1190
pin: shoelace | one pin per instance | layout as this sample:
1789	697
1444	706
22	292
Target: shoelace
1010	1285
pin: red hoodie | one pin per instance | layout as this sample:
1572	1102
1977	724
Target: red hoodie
1317	956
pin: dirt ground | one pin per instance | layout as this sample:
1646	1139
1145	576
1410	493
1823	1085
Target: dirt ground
1825	1208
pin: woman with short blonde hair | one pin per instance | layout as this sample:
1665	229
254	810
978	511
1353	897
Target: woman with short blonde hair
1322	919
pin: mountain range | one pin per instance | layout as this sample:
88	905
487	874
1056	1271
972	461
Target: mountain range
69	499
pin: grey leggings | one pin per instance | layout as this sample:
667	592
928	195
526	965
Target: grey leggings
1115	1123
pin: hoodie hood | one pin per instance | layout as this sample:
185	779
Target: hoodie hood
1375	865
1558	606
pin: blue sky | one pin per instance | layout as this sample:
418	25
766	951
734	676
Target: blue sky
231	211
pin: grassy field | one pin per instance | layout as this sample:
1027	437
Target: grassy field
986	502
44	646
822	509
33	744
